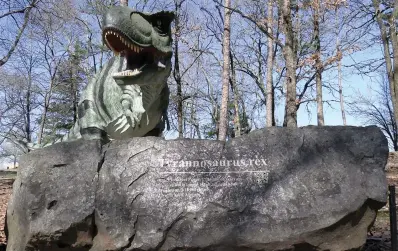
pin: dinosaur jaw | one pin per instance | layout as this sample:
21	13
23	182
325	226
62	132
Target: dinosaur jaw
137	56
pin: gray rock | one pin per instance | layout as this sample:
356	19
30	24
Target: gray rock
53	198
313	188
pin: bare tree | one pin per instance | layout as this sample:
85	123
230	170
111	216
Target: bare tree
176	70
53	33
339	68
386	20
186	95
270	121
378	110
18	100
223	123
316	6
235	91
26	10
291	62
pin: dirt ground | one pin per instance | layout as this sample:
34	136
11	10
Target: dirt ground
379	237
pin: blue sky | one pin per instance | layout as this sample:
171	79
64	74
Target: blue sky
353	85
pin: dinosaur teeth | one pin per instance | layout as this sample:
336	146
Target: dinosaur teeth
133	47
161	65
127	73
124	40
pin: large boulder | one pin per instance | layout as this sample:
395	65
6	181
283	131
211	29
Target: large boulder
312	188
52	205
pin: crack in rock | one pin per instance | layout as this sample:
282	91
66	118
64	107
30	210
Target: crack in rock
168	229
139	177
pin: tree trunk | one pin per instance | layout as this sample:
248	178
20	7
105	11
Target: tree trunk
339	70
223	123
285	114
394	45
75	103
235	91
318	64
177	75
270	121
44	114
195	121
28	108
395	136
19	35
273	108
291	63
74	87
341	91
391	66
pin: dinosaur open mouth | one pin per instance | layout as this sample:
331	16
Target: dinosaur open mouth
137	56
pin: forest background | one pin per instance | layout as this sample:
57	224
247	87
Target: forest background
238	65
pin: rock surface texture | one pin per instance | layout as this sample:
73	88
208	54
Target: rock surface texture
312	188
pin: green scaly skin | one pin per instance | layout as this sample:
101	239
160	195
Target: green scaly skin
129	97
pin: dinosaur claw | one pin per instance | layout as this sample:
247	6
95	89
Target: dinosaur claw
119	122
123	125
125	129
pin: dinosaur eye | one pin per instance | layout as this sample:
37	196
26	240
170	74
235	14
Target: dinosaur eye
160	27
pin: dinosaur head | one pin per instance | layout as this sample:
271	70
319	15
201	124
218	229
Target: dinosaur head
143	40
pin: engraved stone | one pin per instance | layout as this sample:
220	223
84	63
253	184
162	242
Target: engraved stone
312	188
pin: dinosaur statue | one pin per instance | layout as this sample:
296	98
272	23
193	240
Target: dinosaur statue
129	97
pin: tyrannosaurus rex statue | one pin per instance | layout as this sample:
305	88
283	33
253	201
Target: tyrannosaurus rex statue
129	97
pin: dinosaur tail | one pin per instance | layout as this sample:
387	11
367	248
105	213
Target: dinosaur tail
73	134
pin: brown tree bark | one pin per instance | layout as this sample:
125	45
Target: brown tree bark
74	87
387	39
235	91
28	111
339	54
223	122
318	64
341	93
176	72
270	66
340	80
291	62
